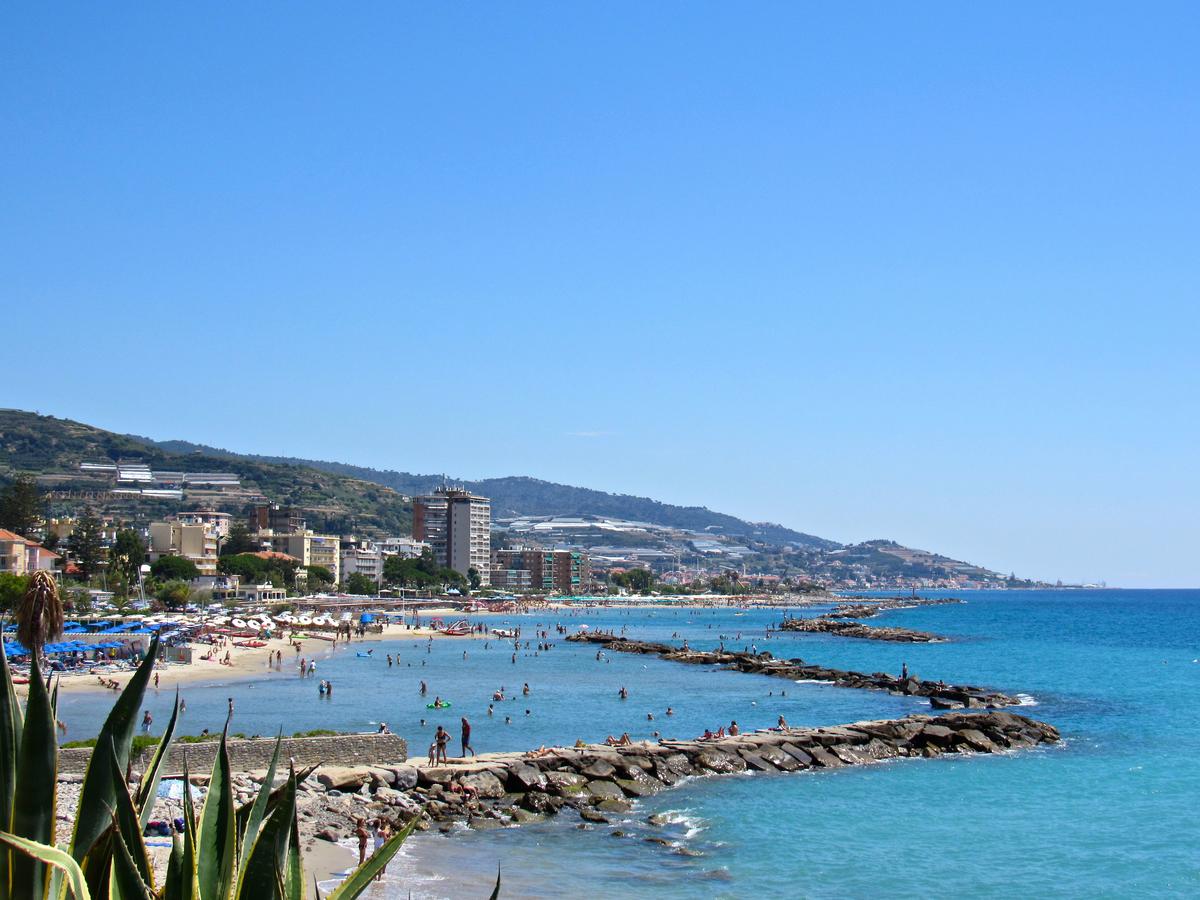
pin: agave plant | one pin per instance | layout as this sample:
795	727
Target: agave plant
227	852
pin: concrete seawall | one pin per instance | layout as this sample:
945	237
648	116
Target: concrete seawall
247	754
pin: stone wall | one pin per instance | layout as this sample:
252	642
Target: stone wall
246	755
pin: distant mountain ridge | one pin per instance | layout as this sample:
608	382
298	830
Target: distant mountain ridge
519	495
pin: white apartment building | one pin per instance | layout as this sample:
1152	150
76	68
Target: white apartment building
195	542
363	560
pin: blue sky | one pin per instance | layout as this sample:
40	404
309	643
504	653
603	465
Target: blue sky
919	271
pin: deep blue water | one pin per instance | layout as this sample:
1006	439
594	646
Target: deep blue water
1111	813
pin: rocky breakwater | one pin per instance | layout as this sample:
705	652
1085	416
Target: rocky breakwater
842	628
941	694
875	607
597	780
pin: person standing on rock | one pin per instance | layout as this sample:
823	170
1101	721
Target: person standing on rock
441	739
466	738
904	671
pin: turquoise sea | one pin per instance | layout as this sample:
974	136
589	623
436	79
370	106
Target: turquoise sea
1109	813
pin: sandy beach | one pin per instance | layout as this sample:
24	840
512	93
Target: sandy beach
248	661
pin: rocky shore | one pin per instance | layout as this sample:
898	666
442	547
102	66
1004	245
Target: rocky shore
595	780
842	628
942	695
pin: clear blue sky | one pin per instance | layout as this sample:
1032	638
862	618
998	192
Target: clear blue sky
922	271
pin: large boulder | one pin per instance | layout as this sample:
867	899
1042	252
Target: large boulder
937	734
714	760
523	777
404	777
487	784
823	757
539	802
640	787
564	783
802	758
599	768
605	790
756	762
343	778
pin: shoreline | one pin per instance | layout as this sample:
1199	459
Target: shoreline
245	662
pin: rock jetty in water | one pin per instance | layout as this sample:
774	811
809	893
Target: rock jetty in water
597	780
822	625
945	696
875	607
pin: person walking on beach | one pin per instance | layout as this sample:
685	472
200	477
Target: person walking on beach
466	738
363	836
441	738
383	831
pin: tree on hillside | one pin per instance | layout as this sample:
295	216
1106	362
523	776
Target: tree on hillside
21	505
173	568
473	578
358	583
127	554
50	541
87	543
239	540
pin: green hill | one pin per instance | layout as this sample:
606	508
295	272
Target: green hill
52	449
523	496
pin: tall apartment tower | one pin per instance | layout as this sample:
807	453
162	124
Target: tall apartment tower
457	525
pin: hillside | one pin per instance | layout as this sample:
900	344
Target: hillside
524	496
53	448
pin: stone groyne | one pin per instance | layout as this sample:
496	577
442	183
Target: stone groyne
500	789
763	663
842	628
874	608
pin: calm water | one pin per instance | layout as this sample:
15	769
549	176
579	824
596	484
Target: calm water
1111	813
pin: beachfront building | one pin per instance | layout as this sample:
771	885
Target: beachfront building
308	549
260	593
197	543
363	558
549	571
457	525
20	556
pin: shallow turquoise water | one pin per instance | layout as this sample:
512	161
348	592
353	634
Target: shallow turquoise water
1111	813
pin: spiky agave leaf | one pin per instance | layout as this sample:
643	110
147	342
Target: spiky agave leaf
149	786
128	828
50	856
265	863
11	722
36	789
258	810
216	843
98	794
